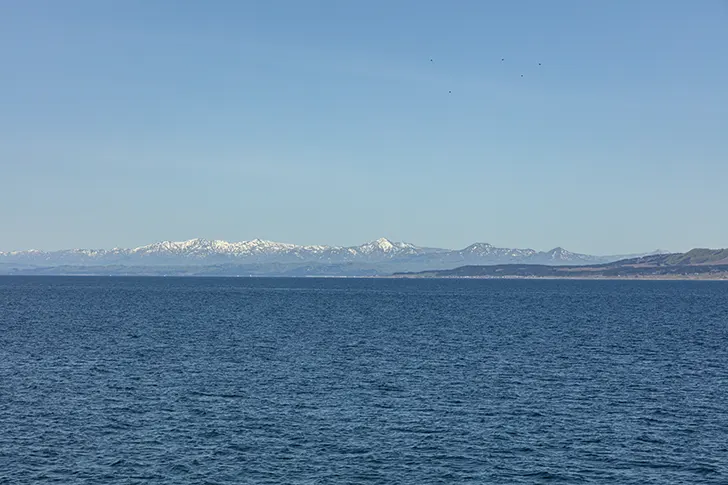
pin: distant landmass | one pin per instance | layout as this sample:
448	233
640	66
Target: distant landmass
696	263
198	257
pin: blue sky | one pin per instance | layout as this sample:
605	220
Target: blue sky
325	122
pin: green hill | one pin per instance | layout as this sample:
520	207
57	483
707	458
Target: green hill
699	256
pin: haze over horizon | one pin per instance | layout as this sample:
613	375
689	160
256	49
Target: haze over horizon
595	127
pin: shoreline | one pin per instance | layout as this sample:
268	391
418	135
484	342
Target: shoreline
618	278
721	277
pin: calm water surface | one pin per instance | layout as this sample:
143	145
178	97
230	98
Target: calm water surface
278	381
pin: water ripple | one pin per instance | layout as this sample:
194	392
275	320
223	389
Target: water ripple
222	381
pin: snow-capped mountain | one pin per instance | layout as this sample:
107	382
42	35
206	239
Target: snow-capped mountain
485	250
385	254
559	256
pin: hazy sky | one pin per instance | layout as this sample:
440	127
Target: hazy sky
325	122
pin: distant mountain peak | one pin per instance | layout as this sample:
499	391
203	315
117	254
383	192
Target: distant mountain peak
481	245
382	244
560	255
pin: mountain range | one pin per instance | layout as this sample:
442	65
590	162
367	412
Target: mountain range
699	263
261	257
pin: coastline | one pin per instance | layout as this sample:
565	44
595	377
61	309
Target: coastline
676	277
723	277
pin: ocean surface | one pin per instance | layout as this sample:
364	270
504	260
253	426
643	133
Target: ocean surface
362	381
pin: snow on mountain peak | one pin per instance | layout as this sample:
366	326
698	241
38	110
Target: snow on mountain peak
479	245
384	244
259	251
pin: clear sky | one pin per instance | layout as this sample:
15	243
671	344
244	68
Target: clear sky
326	122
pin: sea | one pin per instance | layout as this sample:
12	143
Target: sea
122	380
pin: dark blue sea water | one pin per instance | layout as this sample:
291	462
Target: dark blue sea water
293	381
